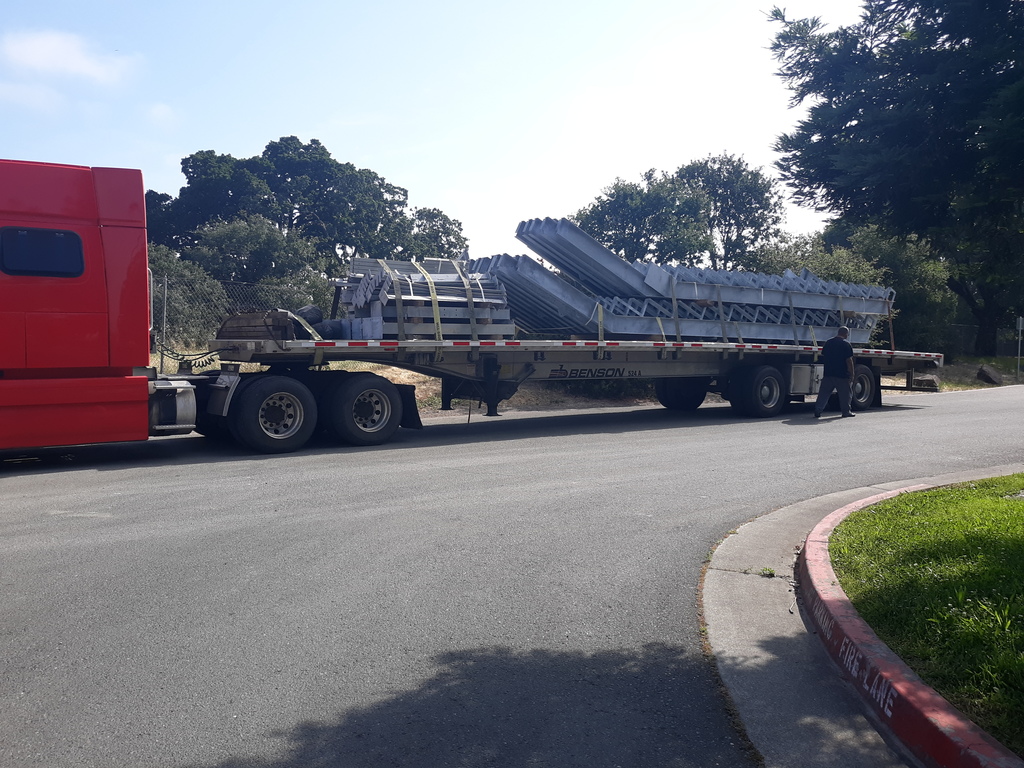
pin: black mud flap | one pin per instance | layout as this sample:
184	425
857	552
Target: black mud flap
410	411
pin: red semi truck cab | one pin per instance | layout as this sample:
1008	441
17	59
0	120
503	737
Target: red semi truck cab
74	305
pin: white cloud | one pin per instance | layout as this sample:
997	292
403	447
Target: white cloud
64	54
36	97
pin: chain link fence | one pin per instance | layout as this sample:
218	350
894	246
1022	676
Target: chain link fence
188	311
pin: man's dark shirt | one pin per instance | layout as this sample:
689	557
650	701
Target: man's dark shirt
834	354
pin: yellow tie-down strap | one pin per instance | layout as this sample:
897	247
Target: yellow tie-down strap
438	336
470	304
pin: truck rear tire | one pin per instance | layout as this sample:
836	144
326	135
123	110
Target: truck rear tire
681	394
273	414
760	392
363	409
864	388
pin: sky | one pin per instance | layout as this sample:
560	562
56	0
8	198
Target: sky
493	112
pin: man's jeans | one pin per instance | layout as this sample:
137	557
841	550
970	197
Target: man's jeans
841	385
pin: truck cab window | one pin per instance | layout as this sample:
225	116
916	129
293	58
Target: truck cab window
43	252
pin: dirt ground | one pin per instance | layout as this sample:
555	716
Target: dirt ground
531	396
964	375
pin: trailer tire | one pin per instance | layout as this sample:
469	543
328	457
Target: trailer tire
864	388
760	392
273	414
363	409
681	393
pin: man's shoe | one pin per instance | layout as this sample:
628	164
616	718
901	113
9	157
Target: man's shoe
849	415
817	414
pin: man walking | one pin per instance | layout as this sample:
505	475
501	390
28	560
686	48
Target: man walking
837	356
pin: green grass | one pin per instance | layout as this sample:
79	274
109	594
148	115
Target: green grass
939	576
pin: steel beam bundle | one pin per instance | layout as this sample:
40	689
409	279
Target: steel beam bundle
378	280
594	292
589	291
581	258
431	299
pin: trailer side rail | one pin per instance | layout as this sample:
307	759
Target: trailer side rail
269	347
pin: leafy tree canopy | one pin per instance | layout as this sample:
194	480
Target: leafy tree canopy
742	207
924	306
247	249
434	235
166	261
915	124
308	197
716	212
646	221
798	252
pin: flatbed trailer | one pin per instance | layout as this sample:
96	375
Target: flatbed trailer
759	380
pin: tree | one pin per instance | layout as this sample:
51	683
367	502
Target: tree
434	236
742	208
798	252
925	307
715	212
248	249
914	124
307	196
218	188
297	289
647	221
160	224
338	206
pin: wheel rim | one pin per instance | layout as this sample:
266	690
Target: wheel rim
769	392
281	415
862	386
859	388
371	411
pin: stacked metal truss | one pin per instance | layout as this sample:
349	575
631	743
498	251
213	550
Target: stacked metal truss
430	299
585	290
595	293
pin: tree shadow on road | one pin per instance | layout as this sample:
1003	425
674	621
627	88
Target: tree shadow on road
498	707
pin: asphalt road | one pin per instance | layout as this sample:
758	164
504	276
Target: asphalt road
511	592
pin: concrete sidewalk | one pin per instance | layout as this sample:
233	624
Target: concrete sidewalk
797	710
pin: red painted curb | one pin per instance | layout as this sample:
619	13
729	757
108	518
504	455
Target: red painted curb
929	727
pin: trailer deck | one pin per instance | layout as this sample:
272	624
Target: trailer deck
493	370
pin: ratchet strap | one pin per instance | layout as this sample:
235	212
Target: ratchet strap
438	336
469	300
